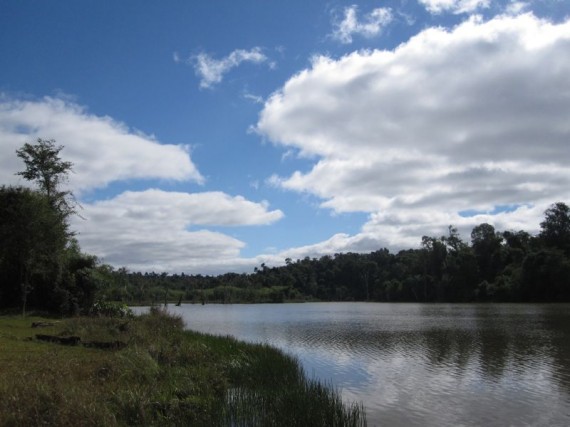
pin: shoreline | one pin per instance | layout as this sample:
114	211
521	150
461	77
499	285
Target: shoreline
162	374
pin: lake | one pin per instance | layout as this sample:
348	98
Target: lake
420	364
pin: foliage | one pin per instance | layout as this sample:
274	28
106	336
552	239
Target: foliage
164	376
556	227
41	265
32	242
49	171
111	309
494	266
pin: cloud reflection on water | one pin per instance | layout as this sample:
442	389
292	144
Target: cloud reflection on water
413	364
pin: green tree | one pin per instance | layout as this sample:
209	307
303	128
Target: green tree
545	276
517	245
461	275
40	264
453	239
32	236
45	167
487	246
434	256
555	229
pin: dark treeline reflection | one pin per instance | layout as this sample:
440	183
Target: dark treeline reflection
496	266
489	339
420	364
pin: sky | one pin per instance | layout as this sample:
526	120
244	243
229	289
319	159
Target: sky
213	136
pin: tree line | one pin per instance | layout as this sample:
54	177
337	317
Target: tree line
42	266
494	266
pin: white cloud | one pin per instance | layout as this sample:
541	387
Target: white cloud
256	99
469	118
207	208
101	149
211	71
338	243
155	230
371	25
147	230
517	7
454	6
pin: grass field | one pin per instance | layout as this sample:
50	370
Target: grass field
163	375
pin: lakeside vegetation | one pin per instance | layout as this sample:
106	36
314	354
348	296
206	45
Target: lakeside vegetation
111	368
163	375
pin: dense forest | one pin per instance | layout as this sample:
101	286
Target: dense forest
497	266
42	266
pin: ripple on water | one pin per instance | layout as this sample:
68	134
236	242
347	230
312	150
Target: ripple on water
422	365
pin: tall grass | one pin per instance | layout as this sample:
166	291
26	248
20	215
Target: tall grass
305	404
165	376
270	388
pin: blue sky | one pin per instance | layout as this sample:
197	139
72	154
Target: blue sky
211	136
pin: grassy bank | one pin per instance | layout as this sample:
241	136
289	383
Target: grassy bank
162	375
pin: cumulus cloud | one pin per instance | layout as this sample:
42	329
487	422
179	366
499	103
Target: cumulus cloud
146	230
453	120
338	243
211	71
454	6
156	230
103	149
371	24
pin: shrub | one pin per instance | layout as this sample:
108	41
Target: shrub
111	309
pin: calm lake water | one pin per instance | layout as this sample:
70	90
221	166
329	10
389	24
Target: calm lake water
420	364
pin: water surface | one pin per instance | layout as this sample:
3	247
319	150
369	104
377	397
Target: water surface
420	364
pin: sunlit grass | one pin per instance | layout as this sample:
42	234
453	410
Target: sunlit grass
164	376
